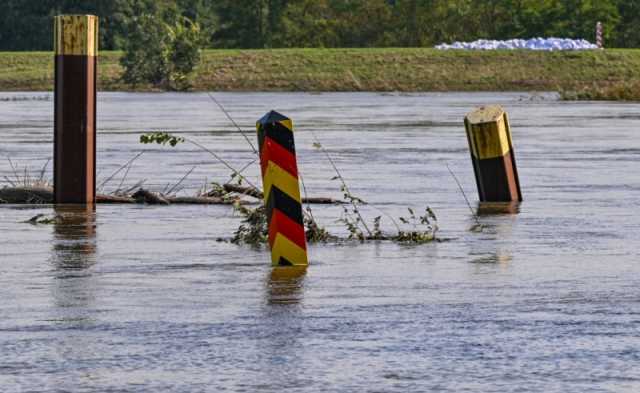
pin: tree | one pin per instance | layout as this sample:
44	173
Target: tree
162	46
309	23
27	24
626	34
241	23
578	18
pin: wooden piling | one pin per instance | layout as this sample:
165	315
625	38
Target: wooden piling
76	50
281	190
492	155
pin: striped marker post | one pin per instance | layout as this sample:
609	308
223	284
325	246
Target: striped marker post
492	155
281	190
599	35
74	163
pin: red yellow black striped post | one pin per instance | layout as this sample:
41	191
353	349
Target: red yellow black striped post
76	50
492	155
281	190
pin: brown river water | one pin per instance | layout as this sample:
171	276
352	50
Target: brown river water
143	298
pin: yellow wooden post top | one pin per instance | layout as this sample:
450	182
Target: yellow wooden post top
486	114
488	130
76	35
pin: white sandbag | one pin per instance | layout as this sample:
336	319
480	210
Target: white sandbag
545	44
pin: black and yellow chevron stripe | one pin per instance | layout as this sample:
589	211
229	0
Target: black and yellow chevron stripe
281	190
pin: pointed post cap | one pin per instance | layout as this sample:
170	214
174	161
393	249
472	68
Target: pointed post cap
274	117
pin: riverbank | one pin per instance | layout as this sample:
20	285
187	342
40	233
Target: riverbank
611	74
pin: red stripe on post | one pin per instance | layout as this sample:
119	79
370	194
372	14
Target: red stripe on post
281	224
273	151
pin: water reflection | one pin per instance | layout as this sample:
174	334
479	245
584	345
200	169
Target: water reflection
285	285
74	245
280	354
495	242
73	253
500	257
74	286
498	208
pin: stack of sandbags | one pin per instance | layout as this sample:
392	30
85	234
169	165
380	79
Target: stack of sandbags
545	44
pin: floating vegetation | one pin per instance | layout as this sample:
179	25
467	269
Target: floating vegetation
24	178
253	229
42	219
23	187
161	138
25	98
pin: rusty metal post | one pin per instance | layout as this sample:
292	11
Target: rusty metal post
281	190
492	155
76	50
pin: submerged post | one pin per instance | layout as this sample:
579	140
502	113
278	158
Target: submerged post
492	155
74	166
281	190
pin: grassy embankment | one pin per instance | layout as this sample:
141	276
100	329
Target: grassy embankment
610	74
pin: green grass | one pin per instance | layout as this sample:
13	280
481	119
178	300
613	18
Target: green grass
609	74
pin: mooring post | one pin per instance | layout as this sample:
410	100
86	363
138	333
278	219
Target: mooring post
281	190
74	163
492	155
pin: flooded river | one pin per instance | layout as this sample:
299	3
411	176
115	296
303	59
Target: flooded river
141	298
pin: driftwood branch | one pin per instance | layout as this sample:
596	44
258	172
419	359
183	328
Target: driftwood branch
42	195
250	191
150	198
114	199
321	201
35	195
255	193
198	201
